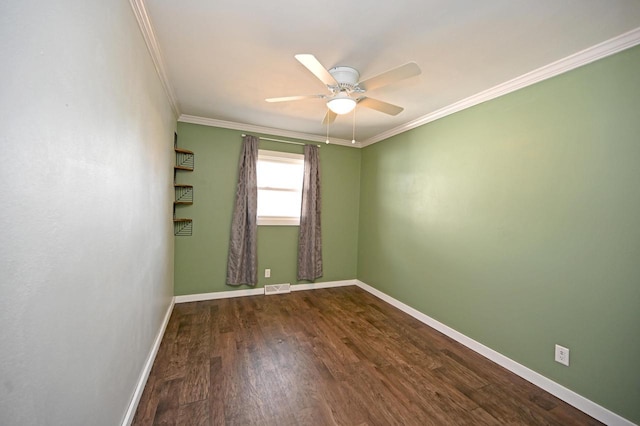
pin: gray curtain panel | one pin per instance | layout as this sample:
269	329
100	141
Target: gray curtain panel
310	238
242	263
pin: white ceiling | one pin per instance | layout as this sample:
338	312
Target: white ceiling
224	57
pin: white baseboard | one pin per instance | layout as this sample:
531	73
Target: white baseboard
257	291
328	284
583	404
570	397
144	375
219	295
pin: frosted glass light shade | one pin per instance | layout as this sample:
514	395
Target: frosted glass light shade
341	104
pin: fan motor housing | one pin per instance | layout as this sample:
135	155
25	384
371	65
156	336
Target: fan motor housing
346	77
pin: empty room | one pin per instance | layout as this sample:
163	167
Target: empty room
320	213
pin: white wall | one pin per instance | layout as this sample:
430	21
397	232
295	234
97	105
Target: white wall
86	244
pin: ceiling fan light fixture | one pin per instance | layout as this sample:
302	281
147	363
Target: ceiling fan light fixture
341	104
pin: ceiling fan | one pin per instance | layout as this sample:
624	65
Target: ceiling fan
345	89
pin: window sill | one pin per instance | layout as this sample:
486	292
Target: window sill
278	221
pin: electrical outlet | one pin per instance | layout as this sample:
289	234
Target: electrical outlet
562	355
267	273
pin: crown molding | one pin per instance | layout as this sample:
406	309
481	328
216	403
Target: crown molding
584	57
193	119
144	22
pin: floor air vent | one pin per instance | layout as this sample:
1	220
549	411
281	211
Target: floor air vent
277	289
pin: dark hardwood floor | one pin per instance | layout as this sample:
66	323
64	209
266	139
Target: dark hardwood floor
325	357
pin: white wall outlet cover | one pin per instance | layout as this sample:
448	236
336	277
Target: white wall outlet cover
562	355
267	273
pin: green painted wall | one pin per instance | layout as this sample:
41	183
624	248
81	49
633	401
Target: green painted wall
517	223
201	260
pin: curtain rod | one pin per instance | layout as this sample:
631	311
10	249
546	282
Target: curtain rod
281	141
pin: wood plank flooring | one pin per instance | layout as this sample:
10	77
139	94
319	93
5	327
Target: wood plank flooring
336	356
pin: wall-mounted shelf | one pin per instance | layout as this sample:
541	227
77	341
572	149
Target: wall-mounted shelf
185	161
183	194
182	227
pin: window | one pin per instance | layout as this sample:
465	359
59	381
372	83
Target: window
280	176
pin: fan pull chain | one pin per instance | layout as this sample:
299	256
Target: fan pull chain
328	123
353	134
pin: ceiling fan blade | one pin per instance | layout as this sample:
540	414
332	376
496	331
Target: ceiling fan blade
316	68
381	106
293	98
403	71
329	117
